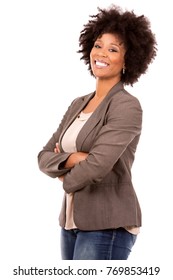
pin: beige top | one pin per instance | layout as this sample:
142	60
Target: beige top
69	145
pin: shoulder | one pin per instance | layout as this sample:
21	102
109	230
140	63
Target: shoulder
124	107
130	97
83	97
126	100
79	100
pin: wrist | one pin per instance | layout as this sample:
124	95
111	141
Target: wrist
70	162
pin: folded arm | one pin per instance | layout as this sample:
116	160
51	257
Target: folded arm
122	127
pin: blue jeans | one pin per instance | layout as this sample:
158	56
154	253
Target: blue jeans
111	244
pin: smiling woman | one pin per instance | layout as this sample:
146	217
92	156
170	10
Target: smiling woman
107	55
93	149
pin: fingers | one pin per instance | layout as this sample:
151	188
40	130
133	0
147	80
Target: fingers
56	149
61	178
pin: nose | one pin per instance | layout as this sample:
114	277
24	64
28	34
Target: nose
102	53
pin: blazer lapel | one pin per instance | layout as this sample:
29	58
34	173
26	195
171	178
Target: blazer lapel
77	108
97	115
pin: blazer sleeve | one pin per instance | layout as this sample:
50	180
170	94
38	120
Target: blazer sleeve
49	162
122	125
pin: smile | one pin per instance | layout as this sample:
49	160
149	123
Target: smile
101	63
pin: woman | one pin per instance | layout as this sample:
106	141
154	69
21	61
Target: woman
93	149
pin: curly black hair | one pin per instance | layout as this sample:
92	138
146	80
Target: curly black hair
135	31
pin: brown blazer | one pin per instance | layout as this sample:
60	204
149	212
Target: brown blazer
104	196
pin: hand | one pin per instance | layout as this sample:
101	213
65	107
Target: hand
56	149
74	159
61	178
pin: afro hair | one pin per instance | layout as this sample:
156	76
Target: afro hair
135	31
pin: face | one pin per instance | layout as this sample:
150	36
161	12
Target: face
107	57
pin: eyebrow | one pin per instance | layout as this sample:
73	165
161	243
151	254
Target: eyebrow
113	44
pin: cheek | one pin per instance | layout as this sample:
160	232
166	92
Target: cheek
91	57
118	61
91	54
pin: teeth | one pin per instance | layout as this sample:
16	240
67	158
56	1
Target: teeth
102	64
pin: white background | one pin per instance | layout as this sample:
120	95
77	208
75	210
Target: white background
41	74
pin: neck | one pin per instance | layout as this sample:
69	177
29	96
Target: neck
103	87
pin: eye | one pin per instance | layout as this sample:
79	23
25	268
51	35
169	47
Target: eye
97	46
113	50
